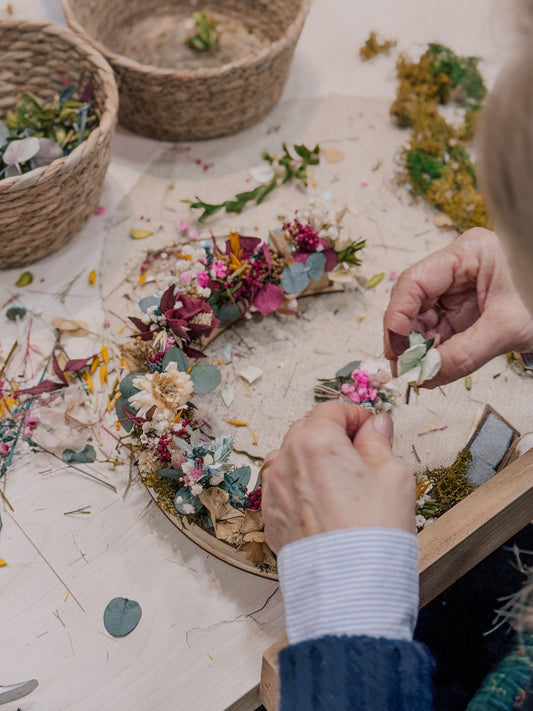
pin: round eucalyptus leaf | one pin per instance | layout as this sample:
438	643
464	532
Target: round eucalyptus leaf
315	265
149	301
169	473
127	389
294	279
229	313
122	616
205	378
175	355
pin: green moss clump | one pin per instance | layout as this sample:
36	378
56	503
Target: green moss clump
437	165
450	485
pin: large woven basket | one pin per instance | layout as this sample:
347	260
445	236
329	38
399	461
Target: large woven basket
170	92
43	209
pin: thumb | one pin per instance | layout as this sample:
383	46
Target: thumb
373	440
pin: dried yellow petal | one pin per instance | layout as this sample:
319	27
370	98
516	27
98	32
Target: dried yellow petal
142	278
140	234
25	279
105	354
237	423
103	374
2	563
92	277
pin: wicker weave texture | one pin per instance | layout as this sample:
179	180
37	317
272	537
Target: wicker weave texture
42	210
170	92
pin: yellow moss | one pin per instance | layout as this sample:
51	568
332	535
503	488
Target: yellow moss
450	485
372	47
437	164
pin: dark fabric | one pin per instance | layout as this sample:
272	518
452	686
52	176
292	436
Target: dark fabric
454	626
355	674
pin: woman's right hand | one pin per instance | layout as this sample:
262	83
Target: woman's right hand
464	293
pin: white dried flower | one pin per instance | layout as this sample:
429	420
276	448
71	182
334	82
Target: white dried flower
168	392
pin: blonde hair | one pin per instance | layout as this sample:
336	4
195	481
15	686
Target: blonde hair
505	146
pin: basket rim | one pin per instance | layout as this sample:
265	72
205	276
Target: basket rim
289	37
108	119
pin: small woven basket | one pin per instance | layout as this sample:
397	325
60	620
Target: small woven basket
40	211
170	92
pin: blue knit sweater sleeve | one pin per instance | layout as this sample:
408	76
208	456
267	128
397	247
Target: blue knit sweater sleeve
355	674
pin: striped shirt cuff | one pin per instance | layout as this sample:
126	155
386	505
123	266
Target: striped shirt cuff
360	581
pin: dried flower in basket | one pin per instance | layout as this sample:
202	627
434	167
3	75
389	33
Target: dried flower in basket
206	37
36	133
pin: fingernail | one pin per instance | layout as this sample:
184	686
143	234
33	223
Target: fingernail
383	424
398	343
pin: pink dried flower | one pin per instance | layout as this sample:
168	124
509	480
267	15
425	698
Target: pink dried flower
203	279
193	234
185	277
4	448
99	210
184	226
220	269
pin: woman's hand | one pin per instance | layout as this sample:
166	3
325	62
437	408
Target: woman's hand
464	293
335	470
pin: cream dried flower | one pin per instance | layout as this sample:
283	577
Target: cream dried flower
168	391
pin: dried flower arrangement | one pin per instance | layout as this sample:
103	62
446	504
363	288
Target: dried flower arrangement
437	165
206	38
211	286
36	133
368	384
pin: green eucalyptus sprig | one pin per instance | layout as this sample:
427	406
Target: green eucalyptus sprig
206	37
286	167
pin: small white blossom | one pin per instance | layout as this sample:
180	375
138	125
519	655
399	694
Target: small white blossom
188	509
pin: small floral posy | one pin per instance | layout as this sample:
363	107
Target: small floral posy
369	384
207	287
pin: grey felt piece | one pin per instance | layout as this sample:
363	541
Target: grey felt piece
488	449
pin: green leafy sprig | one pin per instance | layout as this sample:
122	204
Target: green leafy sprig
206	37
349	254
286	167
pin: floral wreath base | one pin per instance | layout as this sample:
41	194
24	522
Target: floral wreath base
209	287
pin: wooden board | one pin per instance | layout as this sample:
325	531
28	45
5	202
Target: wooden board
451	546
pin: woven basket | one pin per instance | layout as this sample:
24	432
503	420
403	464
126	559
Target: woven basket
43	209
170	92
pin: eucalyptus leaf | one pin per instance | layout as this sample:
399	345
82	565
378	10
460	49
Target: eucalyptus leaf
87	455
410	358
347	370
49	151
183	498
169	473
229	313
295	278
4	133
20	151
175	355
431	365
122	616
205	378
15	312
120	404
415	338
149	301
315	265
127	389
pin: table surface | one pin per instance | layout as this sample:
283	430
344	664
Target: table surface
205	624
